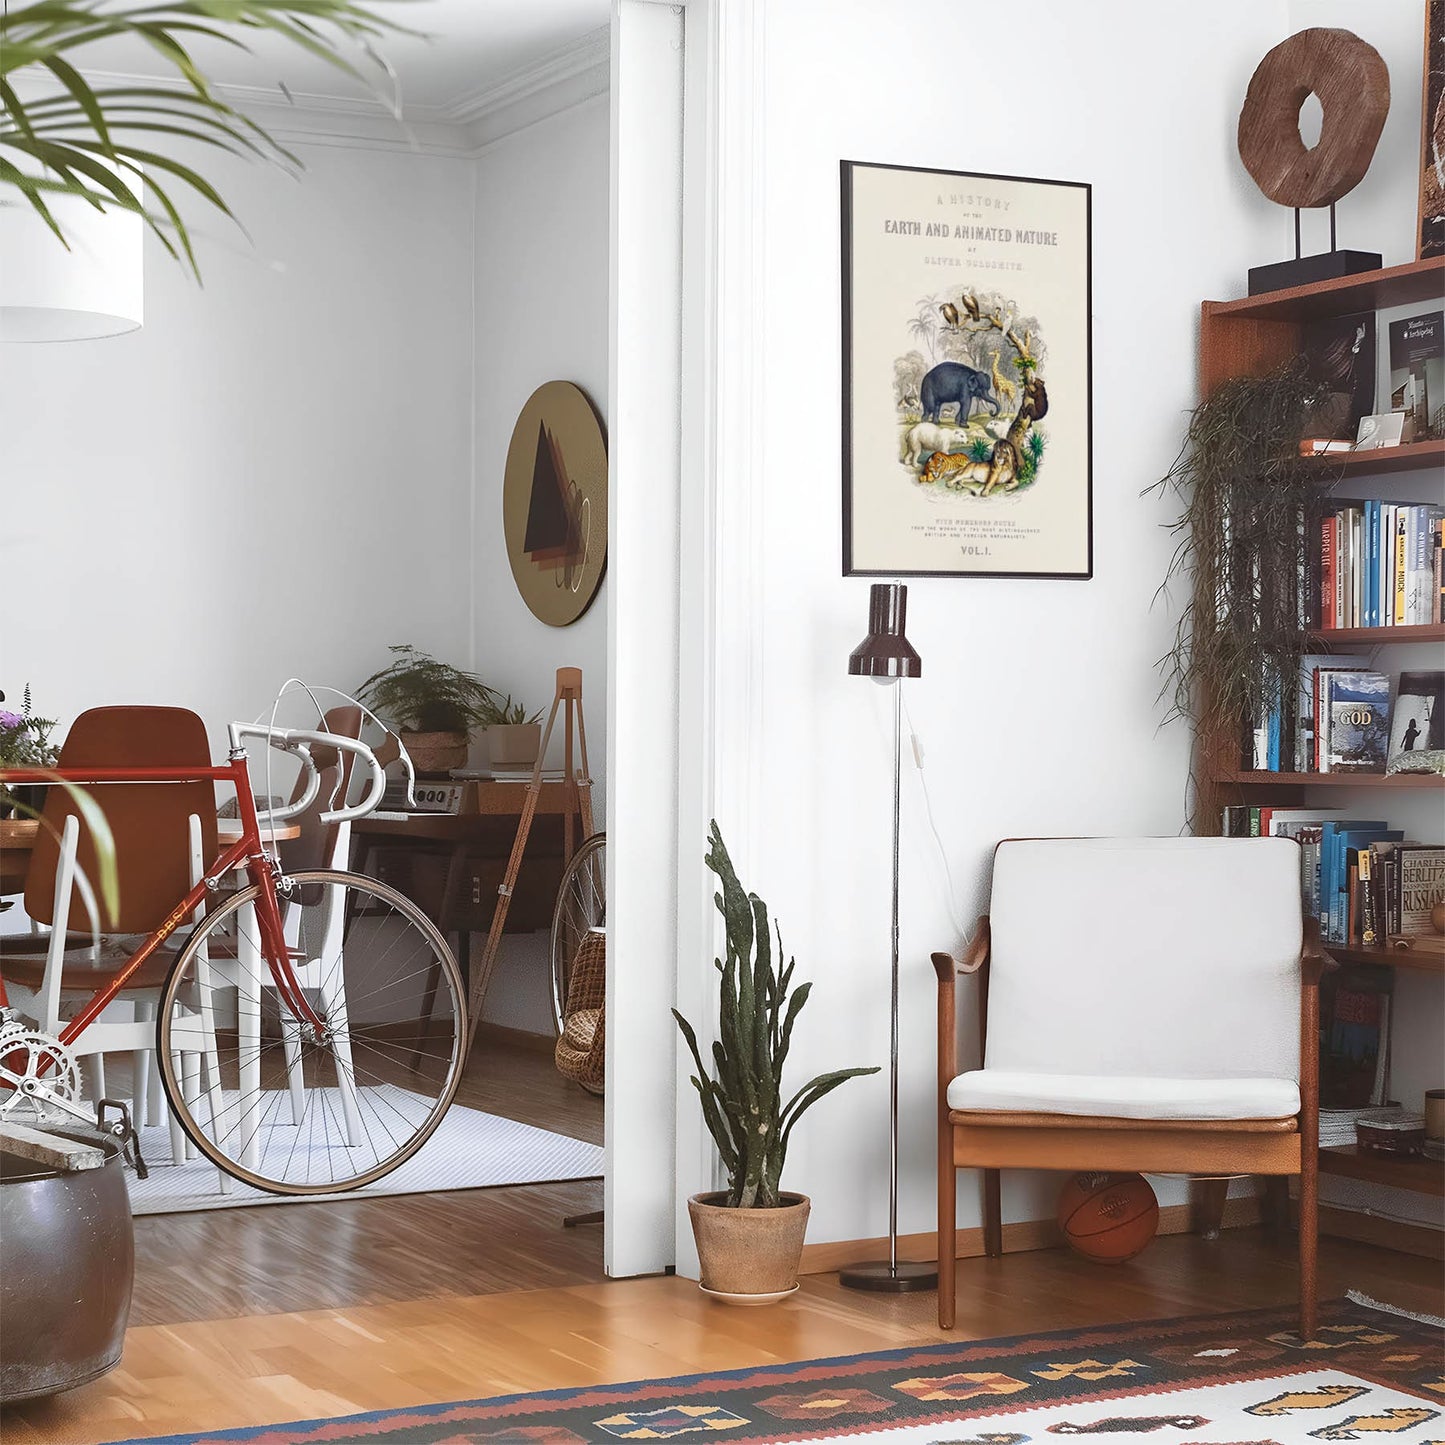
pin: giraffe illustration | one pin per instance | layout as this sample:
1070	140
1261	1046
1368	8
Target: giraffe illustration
1003	387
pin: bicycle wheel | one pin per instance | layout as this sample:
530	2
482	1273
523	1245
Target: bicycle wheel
581	904
274	1102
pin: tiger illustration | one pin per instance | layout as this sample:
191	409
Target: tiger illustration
955	469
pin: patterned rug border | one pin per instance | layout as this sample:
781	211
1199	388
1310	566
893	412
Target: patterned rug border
962	1352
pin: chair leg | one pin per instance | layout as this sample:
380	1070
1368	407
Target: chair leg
992	1214
1206	1196
947	1226
1308	1245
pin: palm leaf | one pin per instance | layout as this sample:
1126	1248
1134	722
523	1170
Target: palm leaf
60	139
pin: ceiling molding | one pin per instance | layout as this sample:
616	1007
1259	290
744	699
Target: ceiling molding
565	78
571	62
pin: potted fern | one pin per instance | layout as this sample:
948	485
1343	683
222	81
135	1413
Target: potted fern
750	1235
434	704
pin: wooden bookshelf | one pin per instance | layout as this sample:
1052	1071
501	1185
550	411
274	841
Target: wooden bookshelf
1381	461
1247	779
1422	961
1405	285
1407	1171
1253	336
1378	636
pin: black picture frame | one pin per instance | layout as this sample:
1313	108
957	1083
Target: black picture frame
965	257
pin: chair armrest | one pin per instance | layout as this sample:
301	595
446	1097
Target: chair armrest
1313	961
974	958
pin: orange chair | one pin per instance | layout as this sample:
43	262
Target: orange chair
163	835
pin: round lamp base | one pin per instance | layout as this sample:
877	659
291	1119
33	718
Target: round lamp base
882	1278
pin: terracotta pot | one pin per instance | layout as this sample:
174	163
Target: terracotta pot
434	755
749	1251
513	745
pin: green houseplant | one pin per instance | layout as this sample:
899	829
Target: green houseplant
750	1236
434	704
70	137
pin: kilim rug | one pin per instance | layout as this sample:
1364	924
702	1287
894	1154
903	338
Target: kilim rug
1237	1379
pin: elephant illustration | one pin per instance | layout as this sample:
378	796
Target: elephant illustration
952	381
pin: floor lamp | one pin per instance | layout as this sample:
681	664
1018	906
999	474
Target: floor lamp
887	657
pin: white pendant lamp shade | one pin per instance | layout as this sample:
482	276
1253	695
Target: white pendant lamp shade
48	293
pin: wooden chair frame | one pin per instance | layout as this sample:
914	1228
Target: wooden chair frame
995	1140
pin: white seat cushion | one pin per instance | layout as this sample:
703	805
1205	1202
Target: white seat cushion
1118	1097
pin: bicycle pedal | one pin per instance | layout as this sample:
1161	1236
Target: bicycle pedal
125	1131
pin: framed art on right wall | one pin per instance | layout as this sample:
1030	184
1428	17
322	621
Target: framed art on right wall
966	374
1432	137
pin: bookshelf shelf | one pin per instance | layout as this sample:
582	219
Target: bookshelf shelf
1421	962
1378	636
1414	1172
1365	291
1330	780
1408	457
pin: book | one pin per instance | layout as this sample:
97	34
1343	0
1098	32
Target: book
1355	714
1339	352
1417	721
1417	369
1419	885
1420	587
1355	1038
1305	760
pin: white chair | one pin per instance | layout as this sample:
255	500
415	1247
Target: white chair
1144	1004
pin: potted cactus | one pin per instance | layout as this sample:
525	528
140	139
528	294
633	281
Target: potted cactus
750	1235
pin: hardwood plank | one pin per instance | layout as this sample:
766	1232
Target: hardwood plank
239	1372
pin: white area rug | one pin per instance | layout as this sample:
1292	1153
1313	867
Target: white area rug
470	1150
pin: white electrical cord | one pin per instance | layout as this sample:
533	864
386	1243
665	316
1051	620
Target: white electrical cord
916	747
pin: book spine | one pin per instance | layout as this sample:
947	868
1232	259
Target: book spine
1414	517
1327	574
1369	933
1322	722
1437	614
1341	567
1385	600
1372	564
1398	604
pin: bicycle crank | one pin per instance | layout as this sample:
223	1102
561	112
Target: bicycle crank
37	1074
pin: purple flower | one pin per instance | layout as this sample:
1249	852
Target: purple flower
11	719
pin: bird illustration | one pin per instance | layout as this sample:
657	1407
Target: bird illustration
950	313
971	306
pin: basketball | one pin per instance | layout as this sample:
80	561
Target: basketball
1108	1217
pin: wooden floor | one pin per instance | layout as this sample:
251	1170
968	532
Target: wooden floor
266	1369
256	1316
225	1263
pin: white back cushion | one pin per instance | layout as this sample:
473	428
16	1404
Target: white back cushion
1170	957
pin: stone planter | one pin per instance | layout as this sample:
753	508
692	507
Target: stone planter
434	755
69	1263
748	1256
513	745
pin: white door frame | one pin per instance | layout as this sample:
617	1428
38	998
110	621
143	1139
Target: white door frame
685	598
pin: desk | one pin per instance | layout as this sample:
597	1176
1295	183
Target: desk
451	864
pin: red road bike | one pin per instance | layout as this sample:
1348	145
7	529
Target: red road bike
311	1028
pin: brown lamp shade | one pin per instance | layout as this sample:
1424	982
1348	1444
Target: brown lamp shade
886	651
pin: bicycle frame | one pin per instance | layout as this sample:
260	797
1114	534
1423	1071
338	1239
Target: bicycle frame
248	850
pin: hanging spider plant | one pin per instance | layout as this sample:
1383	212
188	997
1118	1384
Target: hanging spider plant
95	142
1247	493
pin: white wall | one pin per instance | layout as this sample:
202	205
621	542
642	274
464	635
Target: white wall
1037	708
541	284
302	421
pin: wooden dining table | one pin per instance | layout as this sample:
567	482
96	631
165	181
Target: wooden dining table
18	835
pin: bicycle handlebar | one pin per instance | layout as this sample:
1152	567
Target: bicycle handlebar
300	741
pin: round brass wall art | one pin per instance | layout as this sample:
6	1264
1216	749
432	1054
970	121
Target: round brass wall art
554	503
1353	86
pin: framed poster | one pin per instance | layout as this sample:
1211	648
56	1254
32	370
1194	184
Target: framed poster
967	427
1432	138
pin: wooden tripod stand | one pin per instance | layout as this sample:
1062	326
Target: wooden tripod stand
577	781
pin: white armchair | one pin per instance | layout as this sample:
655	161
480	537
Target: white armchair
1144	1004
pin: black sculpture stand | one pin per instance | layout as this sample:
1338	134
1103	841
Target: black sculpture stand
1306	270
